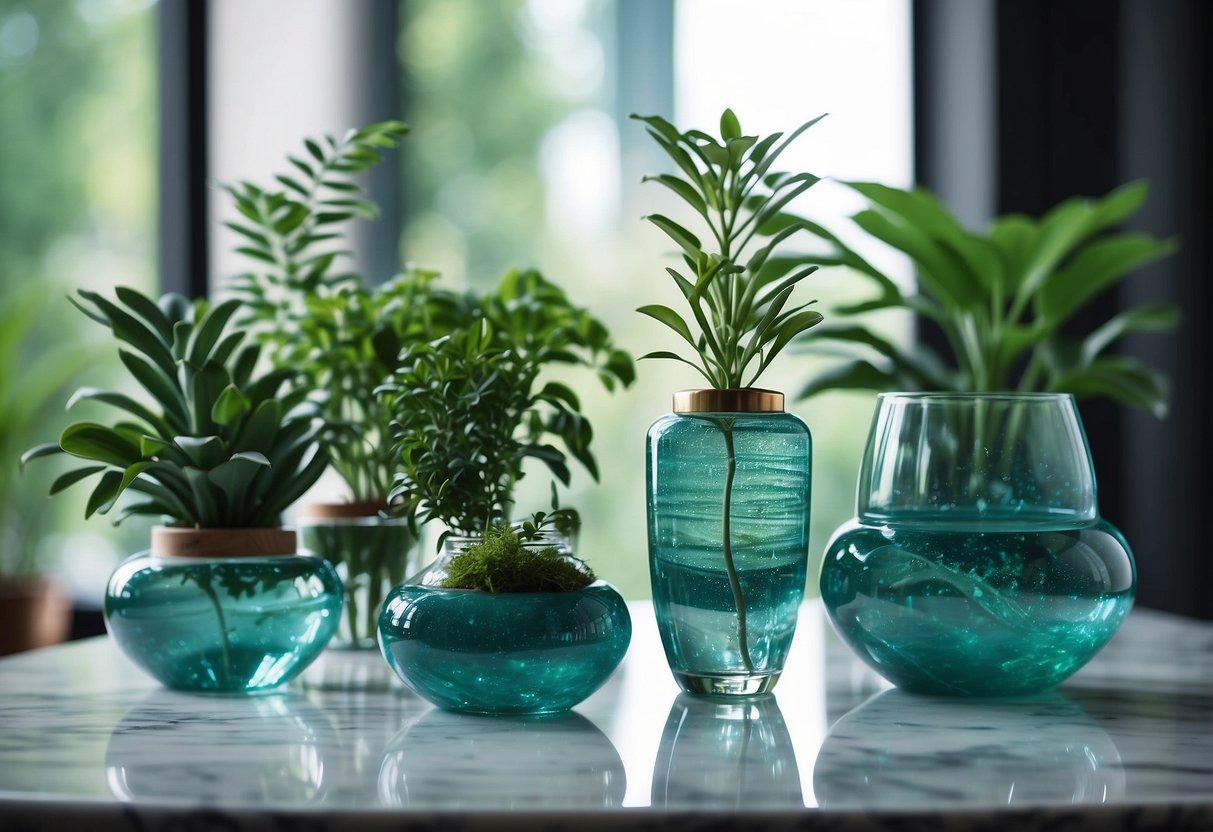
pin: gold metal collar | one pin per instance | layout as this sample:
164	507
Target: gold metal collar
731	400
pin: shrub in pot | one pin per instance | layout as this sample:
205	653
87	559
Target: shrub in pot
36	367
978	563
729	472
221	602
507	620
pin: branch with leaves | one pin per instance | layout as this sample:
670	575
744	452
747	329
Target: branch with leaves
340	335
739	286
1005	301
470	411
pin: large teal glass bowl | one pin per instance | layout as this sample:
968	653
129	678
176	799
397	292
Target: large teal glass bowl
505	653
978	564
223	625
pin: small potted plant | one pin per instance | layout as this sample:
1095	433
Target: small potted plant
341	338
978	563
221	602
729	471
35	609
506	621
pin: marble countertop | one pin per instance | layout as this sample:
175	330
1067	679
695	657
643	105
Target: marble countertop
87	741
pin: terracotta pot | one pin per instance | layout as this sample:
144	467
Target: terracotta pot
33	613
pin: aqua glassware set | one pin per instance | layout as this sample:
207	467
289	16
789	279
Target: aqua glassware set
977	565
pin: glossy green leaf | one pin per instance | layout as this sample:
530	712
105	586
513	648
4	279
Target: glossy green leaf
90	440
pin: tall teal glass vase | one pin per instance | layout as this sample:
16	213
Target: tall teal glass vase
728	476
978	564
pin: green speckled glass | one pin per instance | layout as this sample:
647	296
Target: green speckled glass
372	555
502	653
728	490
978	564
223	625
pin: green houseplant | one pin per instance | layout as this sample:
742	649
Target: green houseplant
506	621
221	602
978	563
34	373
342	338
1006	301
729	472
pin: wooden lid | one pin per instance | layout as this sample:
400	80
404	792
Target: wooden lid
728	400
337	511
222	543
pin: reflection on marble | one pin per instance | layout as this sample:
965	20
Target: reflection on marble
275	750
902	750
354	670
1126	743
734	753
462	761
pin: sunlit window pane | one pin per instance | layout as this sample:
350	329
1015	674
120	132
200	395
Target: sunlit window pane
77	210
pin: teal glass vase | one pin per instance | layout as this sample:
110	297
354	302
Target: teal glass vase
502	653
728	478
247	619
978	564
372	554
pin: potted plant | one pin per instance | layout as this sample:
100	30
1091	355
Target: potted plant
341	338
506	621
221	602
35	610
729	471
978	563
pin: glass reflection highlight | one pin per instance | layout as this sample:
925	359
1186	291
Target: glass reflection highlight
235	751
448	760
726	754
898	750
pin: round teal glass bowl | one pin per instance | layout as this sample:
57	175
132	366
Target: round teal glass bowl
224	624
504	653
978	564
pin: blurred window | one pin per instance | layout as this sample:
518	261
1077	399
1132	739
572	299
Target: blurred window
77	210
521	156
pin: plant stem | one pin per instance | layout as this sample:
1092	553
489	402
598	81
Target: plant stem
223	642
726	428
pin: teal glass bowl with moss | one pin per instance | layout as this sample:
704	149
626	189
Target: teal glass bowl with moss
223	610
502	653
978	564
728	479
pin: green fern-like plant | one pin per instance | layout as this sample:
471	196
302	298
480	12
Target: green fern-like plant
739	284
218	446
340	335
1006	300
470	407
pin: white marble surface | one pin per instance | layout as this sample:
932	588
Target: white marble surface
87	740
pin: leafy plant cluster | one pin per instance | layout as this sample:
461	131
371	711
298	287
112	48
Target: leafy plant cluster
470	410
219	446
1006	301
342	336
501	563
739	285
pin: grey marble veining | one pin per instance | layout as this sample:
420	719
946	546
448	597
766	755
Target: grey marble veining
87	741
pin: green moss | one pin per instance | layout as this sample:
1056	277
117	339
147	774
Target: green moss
502	564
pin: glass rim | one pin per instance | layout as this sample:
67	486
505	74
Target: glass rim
990	396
